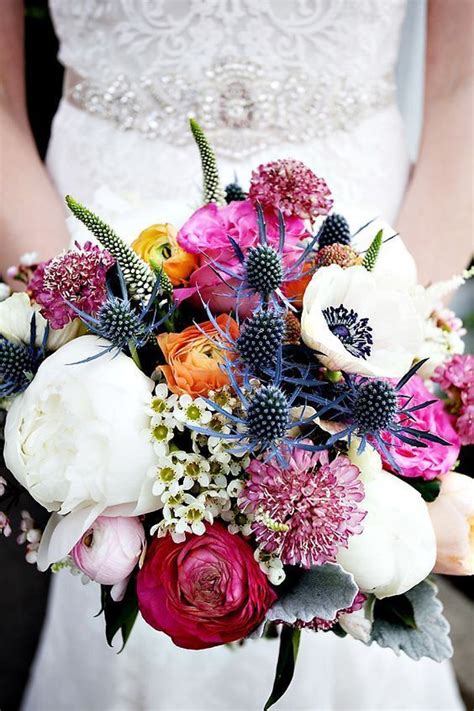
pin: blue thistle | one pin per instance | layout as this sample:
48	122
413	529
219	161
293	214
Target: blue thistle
121	323
268	415
372	408
263	268
265	423
19	362
234	193
260	338
262	272
334	230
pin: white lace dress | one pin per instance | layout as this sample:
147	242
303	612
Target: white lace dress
309	79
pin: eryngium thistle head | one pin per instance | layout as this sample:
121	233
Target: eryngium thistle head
264	269
334	230
268	414
234	193
119	323
375	406
260	337
17	365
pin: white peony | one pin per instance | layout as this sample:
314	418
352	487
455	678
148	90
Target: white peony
359	323
15	323
78	437
397	548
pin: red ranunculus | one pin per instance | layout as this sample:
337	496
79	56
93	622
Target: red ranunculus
206	591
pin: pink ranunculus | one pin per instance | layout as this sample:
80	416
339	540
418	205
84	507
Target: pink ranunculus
206	591
456	378
109	550
207	233
435	459
452	516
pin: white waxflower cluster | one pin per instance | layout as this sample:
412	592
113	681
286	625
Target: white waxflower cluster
443	338
202	484
271	565
30	537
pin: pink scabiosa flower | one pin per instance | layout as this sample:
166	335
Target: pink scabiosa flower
307	511
292	188
318	623
78	276
435	459
109	550
456	378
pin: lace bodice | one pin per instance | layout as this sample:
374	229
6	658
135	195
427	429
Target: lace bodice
272	69
142	36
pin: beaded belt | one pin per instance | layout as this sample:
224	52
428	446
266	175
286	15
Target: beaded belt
267	107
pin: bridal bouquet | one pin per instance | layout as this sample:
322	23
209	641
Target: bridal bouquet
248	427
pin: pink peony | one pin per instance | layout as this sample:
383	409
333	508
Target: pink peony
292	188
435	459
206	591
306	512
77	276
452	516
207	233
109	550
456	378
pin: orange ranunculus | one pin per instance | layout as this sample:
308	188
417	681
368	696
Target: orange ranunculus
193	359
158	247
294	290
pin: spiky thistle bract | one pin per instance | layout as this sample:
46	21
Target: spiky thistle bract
122	323
20	361
262	272
376	411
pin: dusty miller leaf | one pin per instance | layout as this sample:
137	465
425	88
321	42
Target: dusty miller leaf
319	592
430	638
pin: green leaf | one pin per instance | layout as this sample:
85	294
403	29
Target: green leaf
429	637
119	616
287	656
429	490
319	592
396	610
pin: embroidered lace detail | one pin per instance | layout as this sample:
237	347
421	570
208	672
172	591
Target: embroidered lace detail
267	108
291	70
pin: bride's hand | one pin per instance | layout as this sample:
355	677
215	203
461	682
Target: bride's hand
31	214
436	219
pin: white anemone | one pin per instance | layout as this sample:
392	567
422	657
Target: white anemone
359	323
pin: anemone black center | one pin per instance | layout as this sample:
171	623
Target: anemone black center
352	330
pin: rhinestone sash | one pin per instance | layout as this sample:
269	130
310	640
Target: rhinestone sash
243	106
